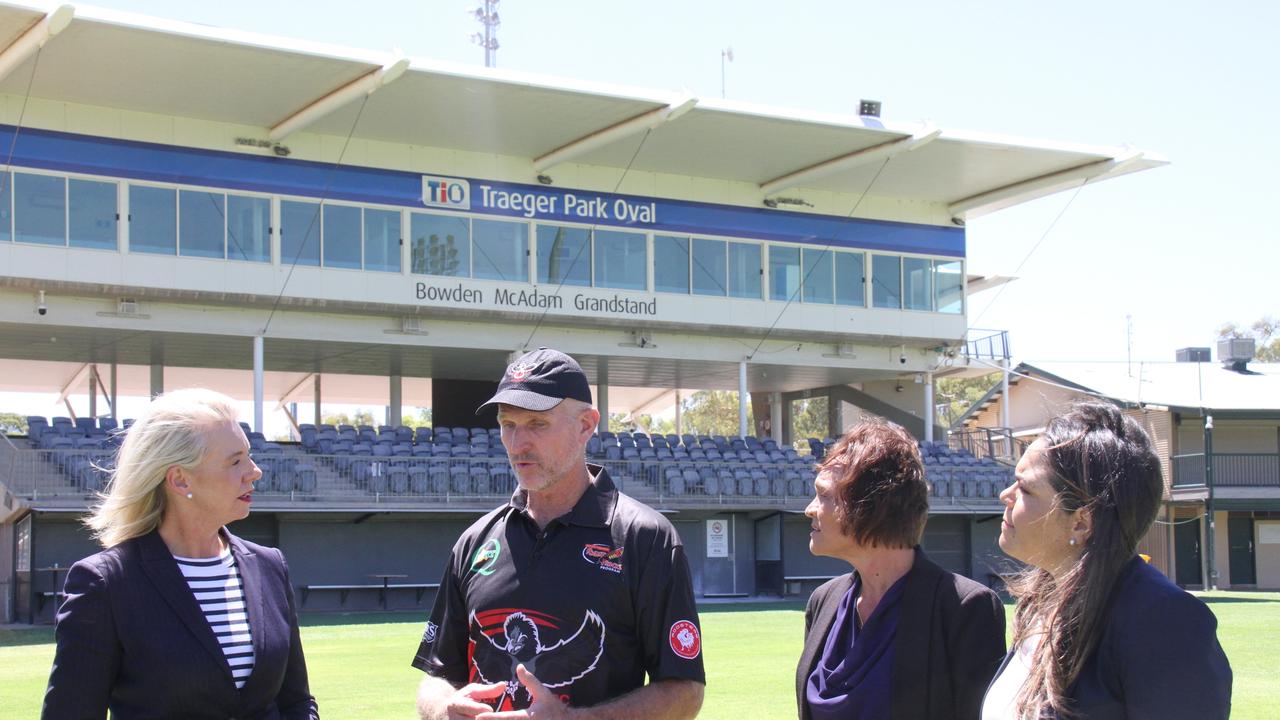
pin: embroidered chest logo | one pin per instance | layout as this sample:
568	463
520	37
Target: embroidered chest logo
486	557
684	639
603	556
503	639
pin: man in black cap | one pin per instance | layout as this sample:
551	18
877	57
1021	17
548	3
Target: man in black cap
561	602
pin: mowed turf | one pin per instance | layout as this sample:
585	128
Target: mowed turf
360	670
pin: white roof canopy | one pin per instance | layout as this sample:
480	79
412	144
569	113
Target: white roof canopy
113	59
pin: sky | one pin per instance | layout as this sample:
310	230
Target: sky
1142	265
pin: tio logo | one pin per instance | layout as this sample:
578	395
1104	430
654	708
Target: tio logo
446	192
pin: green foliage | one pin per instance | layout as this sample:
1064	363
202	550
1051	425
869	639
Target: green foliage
712	412
13	423
422	419
954	395
360	417
1266	333
809	419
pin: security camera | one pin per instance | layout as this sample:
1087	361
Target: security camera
902	359
41	307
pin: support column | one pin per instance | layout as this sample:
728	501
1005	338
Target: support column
835	417
157	367
775	417
602	393
395	400
93	394
743	399
115	414
678	401
1004	394
929	411
315	392
257	383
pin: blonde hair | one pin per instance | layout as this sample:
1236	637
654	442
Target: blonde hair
172	432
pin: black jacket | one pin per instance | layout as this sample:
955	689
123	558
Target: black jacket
131	638
949	643
1158	656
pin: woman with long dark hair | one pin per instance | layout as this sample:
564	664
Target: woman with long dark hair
1098	633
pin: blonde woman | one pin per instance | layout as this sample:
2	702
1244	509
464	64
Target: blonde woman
1098	633
178	618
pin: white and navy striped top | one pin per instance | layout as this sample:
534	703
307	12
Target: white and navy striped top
216	584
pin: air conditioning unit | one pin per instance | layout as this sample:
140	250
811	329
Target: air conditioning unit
128	306
1235	351
846	350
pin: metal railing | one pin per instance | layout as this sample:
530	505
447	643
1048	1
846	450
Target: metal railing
1229	470
982	344
996	443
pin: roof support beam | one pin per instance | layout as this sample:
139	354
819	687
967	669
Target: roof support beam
1025	190
650	120
34	38
865	156
363	85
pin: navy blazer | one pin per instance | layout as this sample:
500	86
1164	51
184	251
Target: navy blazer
1158	656
131	638
950	640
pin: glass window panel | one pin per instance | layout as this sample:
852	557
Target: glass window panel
40	209
342	237
441	244
671	264
917	274
153	220
92	213
381	240
744	270
850	279
6	207
622	260
818	276
299	233
501	250
784	271
709	267
564	255
248	228
886	281
949	284
202	224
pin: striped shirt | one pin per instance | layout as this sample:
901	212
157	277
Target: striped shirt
216	585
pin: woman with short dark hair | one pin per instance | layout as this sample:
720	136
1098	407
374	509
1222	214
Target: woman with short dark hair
899	637
1098	633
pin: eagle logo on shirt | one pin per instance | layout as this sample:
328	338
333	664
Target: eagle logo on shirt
501	642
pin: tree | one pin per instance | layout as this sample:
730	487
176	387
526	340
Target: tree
712	412
423	419
1265	332
360	417
13	423
954	395
809	419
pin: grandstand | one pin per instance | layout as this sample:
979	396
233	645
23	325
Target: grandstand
318	226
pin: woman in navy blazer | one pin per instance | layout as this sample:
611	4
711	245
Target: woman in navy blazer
899	638
1099	633
132	637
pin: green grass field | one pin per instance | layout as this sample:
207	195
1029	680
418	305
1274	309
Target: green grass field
360	663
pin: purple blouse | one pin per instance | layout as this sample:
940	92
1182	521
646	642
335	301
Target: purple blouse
851	680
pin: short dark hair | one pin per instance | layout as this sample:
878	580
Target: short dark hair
883	498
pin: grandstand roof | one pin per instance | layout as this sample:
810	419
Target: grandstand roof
122	60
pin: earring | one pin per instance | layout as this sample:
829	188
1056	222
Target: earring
189	496
1071	542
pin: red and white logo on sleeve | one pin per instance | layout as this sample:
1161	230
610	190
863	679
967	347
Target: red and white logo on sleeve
684	639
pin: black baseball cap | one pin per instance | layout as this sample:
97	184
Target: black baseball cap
540	380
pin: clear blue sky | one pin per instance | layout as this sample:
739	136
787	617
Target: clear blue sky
1182	248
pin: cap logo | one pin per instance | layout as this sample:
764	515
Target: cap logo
520	371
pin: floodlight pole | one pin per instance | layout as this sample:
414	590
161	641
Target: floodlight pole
1211	581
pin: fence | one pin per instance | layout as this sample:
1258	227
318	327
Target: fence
1229	470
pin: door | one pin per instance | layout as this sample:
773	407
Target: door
1240	542
1186	544
719	571
769	554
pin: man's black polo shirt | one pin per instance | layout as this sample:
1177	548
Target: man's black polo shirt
591	605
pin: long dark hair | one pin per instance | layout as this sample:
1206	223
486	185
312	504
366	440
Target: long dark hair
1103	463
